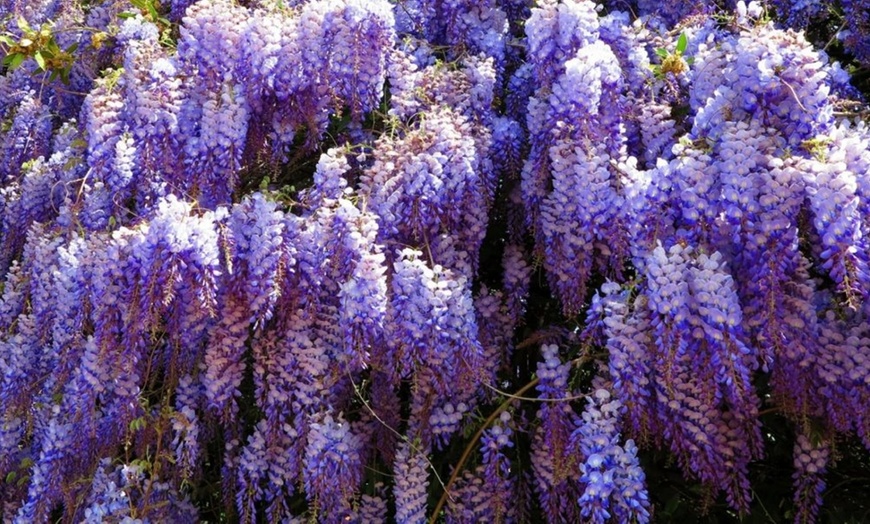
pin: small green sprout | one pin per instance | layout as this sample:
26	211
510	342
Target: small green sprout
676	62
818	147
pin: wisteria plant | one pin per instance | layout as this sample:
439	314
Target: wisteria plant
425	261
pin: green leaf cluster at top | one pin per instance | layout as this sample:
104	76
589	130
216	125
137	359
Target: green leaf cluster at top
40	45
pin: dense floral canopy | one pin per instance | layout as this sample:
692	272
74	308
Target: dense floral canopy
433	260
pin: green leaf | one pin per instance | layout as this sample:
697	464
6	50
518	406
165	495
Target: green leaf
7	40
153	12
40	60
10	477
137	424
52	48
14	60
126	14
71	163
672	505
682	43
72	48
663	53
23	24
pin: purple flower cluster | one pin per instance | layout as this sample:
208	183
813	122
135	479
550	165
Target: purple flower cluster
411	468
569	182
497	478
811	460
428	181
332	468
445	343
555	453
613	480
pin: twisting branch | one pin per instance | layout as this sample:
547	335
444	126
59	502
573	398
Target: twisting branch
472	444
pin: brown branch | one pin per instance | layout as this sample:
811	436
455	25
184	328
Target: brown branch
470	447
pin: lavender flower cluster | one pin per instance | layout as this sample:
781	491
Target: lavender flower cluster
284	259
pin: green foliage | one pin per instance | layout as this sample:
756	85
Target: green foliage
40	45
674	63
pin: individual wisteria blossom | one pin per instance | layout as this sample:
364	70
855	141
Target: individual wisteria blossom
489	491
186	426
627	328
25	360
330	176
508	141
47	474
497	476
355	35
612	478
833	192
113	274
445	420
373	508
718	314
557	30
27	138
363	295
332	468
428	181
811	461
252	467
146	157
411	469
446	344
516	282
841	365
554	453
178	242
102	111
258	253
469	501
214	116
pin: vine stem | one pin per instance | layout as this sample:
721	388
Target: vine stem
470	447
